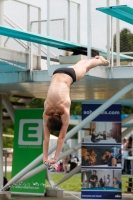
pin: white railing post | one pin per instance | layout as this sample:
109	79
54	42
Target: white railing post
112	44
39	29
28	21
39	45
108	33
64	29
1	20
29	43
78	23
118	38
1	145
89	29
68	21
48	31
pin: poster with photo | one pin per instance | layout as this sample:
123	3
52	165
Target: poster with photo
101	153
105	128
105	156
101	184
103	132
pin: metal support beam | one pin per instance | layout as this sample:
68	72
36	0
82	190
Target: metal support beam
69	21
127	131
8	106
49	178
1	20
74	131
1	144
118	38
41	167
69	175
78	22
112	43
127	119
108	33
48	32
89	29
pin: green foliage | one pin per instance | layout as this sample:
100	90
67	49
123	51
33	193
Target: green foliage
125	179
7	141
36	103
126	41
127	109
76	108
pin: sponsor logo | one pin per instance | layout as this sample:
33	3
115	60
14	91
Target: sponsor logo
117	196
88	112
30	132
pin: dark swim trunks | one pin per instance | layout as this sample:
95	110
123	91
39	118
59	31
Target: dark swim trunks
68	71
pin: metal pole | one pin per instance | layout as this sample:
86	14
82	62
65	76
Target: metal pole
117	38
8	106
112	45
6	164
74	131
108	33
78	23
79	141
39	45
29	44
1	144
127	119
64	29
39	29
1	20
127	131
69	175
49	178
28	21
42	167
89	29
68	23
48	31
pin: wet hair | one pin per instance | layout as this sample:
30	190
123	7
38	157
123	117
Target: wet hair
54	123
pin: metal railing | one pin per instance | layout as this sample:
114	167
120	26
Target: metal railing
21	42
78	19
68	24
52	20
28	29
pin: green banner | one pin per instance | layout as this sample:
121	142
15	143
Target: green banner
28	144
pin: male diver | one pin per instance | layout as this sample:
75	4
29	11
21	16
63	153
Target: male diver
57	105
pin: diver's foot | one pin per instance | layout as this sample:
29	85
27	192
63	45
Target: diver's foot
101	61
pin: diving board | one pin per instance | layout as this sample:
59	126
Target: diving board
122	12
44	40
54	42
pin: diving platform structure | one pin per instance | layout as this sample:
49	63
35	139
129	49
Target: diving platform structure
21	74
16	69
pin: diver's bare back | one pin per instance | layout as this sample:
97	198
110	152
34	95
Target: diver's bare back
58	96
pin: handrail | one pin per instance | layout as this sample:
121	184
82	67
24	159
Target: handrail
13	22
20	41
27	4
74	1
45	20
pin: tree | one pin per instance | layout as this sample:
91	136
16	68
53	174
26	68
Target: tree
126	41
